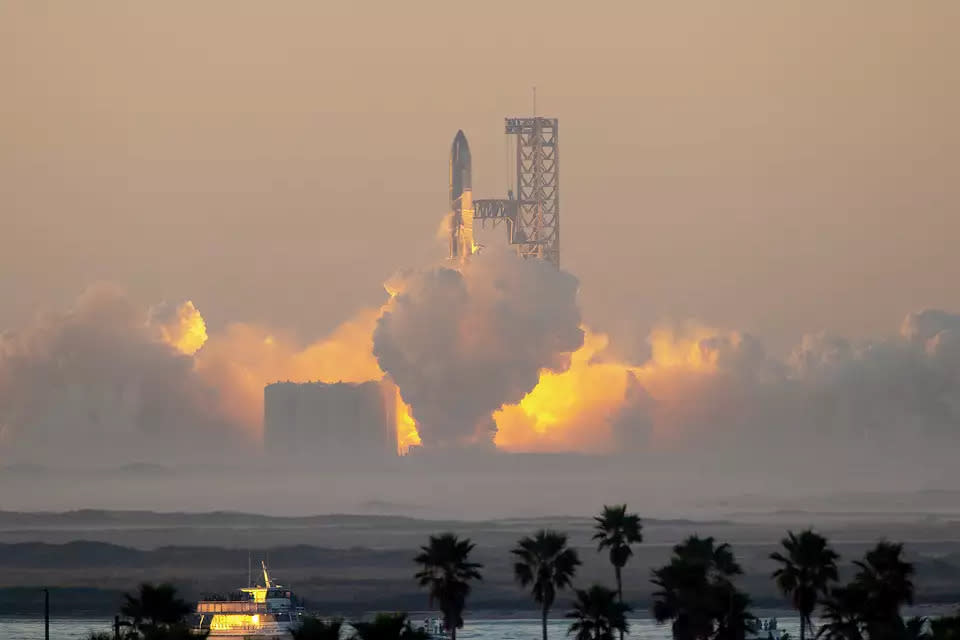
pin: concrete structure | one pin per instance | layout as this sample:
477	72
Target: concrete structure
338	422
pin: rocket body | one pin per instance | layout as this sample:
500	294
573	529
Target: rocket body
461	199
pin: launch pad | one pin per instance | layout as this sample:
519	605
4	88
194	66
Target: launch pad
347	422
532	215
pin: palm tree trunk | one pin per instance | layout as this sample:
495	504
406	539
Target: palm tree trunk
803	626
450	628
616	570
543	622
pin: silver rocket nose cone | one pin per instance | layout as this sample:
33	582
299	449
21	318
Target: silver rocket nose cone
460	150
460	166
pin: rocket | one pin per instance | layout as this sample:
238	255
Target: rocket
461	199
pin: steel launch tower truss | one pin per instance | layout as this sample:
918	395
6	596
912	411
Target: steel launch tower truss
532	216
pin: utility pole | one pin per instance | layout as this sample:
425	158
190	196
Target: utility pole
46	614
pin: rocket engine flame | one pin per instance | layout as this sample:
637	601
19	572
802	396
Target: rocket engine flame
490	350
407	434
570	410
454	336
579	409
461	342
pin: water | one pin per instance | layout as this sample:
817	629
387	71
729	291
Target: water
527	629
644	629
60	628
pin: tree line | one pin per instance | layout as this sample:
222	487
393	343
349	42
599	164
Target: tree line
695	591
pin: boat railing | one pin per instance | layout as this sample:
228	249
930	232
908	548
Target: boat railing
234	607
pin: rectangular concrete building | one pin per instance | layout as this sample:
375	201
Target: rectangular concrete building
339	422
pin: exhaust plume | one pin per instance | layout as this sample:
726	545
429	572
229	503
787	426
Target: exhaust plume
244	358
491	352
99	377
571	410
461	343
704	387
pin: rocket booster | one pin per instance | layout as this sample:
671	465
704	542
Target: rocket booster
461	199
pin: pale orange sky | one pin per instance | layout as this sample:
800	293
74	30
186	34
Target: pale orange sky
773	167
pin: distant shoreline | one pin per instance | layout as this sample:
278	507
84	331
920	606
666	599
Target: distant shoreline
353	563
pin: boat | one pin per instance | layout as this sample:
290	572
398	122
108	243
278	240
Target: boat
766	630
435	628
263	612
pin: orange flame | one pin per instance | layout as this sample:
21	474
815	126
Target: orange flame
187	332
574	410
244	358
570	410
407	434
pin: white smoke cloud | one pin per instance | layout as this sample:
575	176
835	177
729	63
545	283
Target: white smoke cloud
107	380
901	393
98	383
461	343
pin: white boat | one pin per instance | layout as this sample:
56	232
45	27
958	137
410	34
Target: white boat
435	628
264	612
767	630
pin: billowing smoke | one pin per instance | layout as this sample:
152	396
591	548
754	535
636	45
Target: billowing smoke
109	381
242	358
461	343
491	351
576	409
101	380
705	389
902	388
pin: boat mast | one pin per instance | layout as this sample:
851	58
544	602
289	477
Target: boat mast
266	575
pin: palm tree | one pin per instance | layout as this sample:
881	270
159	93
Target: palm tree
596	614
887	582
806	572
311	628
736	621
387	626
681	598
155	608
546	562
447	572
945	627
843	612
616	530
695	589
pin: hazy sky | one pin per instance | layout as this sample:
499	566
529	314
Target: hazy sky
768	166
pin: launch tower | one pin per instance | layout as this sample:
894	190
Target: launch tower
532	215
